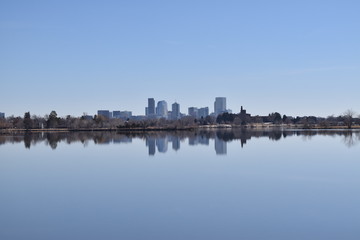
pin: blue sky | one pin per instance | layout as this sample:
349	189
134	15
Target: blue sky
294	57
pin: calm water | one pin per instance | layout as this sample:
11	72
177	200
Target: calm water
187	185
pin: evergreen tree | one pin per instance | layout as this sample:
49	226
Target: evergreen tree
28	123
53	120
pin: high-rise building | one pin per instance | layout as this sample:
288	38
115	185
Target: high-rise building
203	112
219	105
175	111
161	109
2	115
105	113
151	107
193	112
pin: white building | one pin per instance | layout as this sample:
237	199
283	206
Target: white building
162	109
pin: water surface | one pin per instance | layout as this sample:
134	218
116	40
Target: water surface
184	185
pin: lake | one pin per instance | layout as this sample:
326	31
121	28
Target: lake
221	184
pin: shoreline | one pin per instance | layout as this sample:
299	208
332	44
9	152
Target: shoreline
174	129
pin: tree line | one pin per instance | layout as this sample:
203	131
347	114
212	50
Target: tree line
52	121
348	119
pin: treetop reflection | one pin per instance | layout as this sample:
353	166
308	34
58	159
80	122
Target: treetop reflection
160	140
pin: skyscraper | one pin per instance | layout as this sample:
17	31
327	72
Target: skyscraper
175	111
219	105
2	115
161	109
151	107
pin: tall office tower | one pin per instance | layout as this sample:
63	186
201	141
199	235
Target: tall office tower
219	105
161	109
2	115
193	111
175	111
203	112
151	107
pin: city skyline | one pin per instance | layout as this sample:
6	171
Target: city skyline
161	110
219	107
179	119
298	58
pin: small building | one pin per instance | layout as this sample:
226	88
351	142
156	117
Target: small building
87	117
104	113
126	114
193	112
243	113
122	114
203	112
198	112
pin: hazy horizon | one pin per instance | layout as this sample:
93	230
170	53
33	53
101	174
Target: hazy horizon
298	59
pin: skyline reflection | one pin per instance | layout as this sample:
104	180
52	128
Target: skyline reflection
158	141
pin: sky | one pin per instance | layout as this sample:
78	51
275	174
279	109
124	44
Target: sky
298	58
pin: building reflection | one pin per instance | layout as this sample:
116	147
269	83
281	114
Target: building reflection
151	144
162	144
220	146
159	140
199	139
122	139
175	143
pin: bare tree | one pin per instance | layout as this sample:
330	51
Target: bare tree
350	139
349	118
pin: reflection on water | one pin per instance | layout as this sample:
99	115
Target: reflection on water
265	185
220	146
159	141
